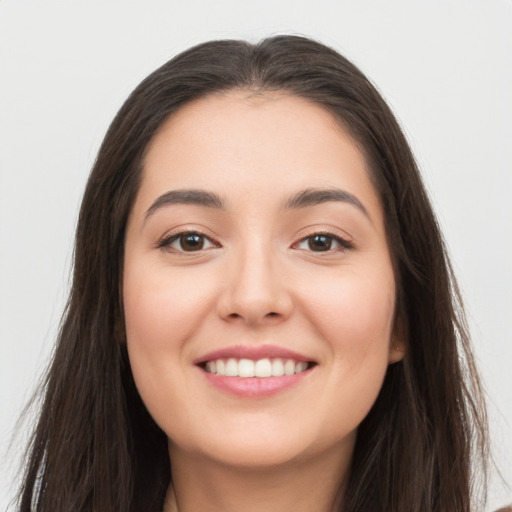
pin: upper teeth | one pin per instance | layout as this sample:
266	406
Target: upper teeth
261	368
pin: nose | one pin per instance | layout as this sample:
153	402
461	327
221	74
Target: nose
255	291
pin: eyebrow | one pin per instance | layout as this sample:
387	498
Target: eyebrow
189	196
315	196
302	199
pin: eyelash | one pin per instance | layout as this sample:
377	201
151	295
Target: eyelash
166	243
343	243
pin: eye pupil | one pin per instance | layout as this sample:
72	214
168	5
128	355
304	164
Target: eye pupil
320	242
191	242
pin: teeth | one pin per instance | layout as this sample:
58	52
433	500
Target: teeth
231	369
246	368
262	368
277	368
300	367
289	367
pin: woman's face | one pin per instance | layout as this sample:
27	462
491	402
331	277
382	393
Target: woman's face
256	246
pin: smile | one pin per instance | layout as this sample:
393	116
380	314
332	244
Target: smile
262	368
250	371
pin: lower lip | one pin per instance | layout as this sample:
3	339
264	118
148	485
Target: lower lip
255	387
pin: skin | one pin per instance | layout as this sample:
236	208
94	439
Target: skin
257	281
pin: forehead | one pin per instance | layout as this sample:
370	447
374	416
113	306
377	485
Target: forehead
251	121
246	143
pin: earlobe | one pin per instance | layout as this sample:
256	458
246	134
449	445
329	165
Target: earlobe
396	352
397	343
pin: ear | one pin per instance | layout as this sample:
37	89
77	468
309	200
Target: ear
397	342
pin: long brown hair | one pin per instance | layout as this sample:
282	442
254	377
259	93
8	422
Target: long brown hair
96	447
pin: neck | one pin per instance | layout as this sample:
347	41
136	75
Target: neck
301	486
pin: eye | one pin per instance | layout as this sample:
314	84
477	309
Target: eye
187	241
323	242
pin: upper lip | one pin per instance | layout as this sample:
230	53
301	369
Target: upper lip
252	352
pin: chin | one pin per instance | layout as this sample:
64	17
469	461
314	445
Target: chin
255	456
253	449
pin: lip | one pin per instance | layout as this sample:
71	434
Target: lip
254	387
252	352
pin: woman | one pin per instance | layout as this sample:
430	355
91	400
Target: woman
262	316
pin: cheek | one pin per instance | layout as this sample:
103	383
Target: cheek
162	308
356	312
354	315
161	315
355	319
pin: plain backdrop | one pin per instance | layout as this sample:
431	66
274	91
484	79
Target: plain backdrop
445	67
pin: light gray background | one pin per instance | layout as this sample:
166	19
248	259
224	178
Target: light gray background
65	68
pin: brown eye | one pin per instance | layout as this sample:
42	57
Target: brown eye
320	242
191	242
187	241
323	242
